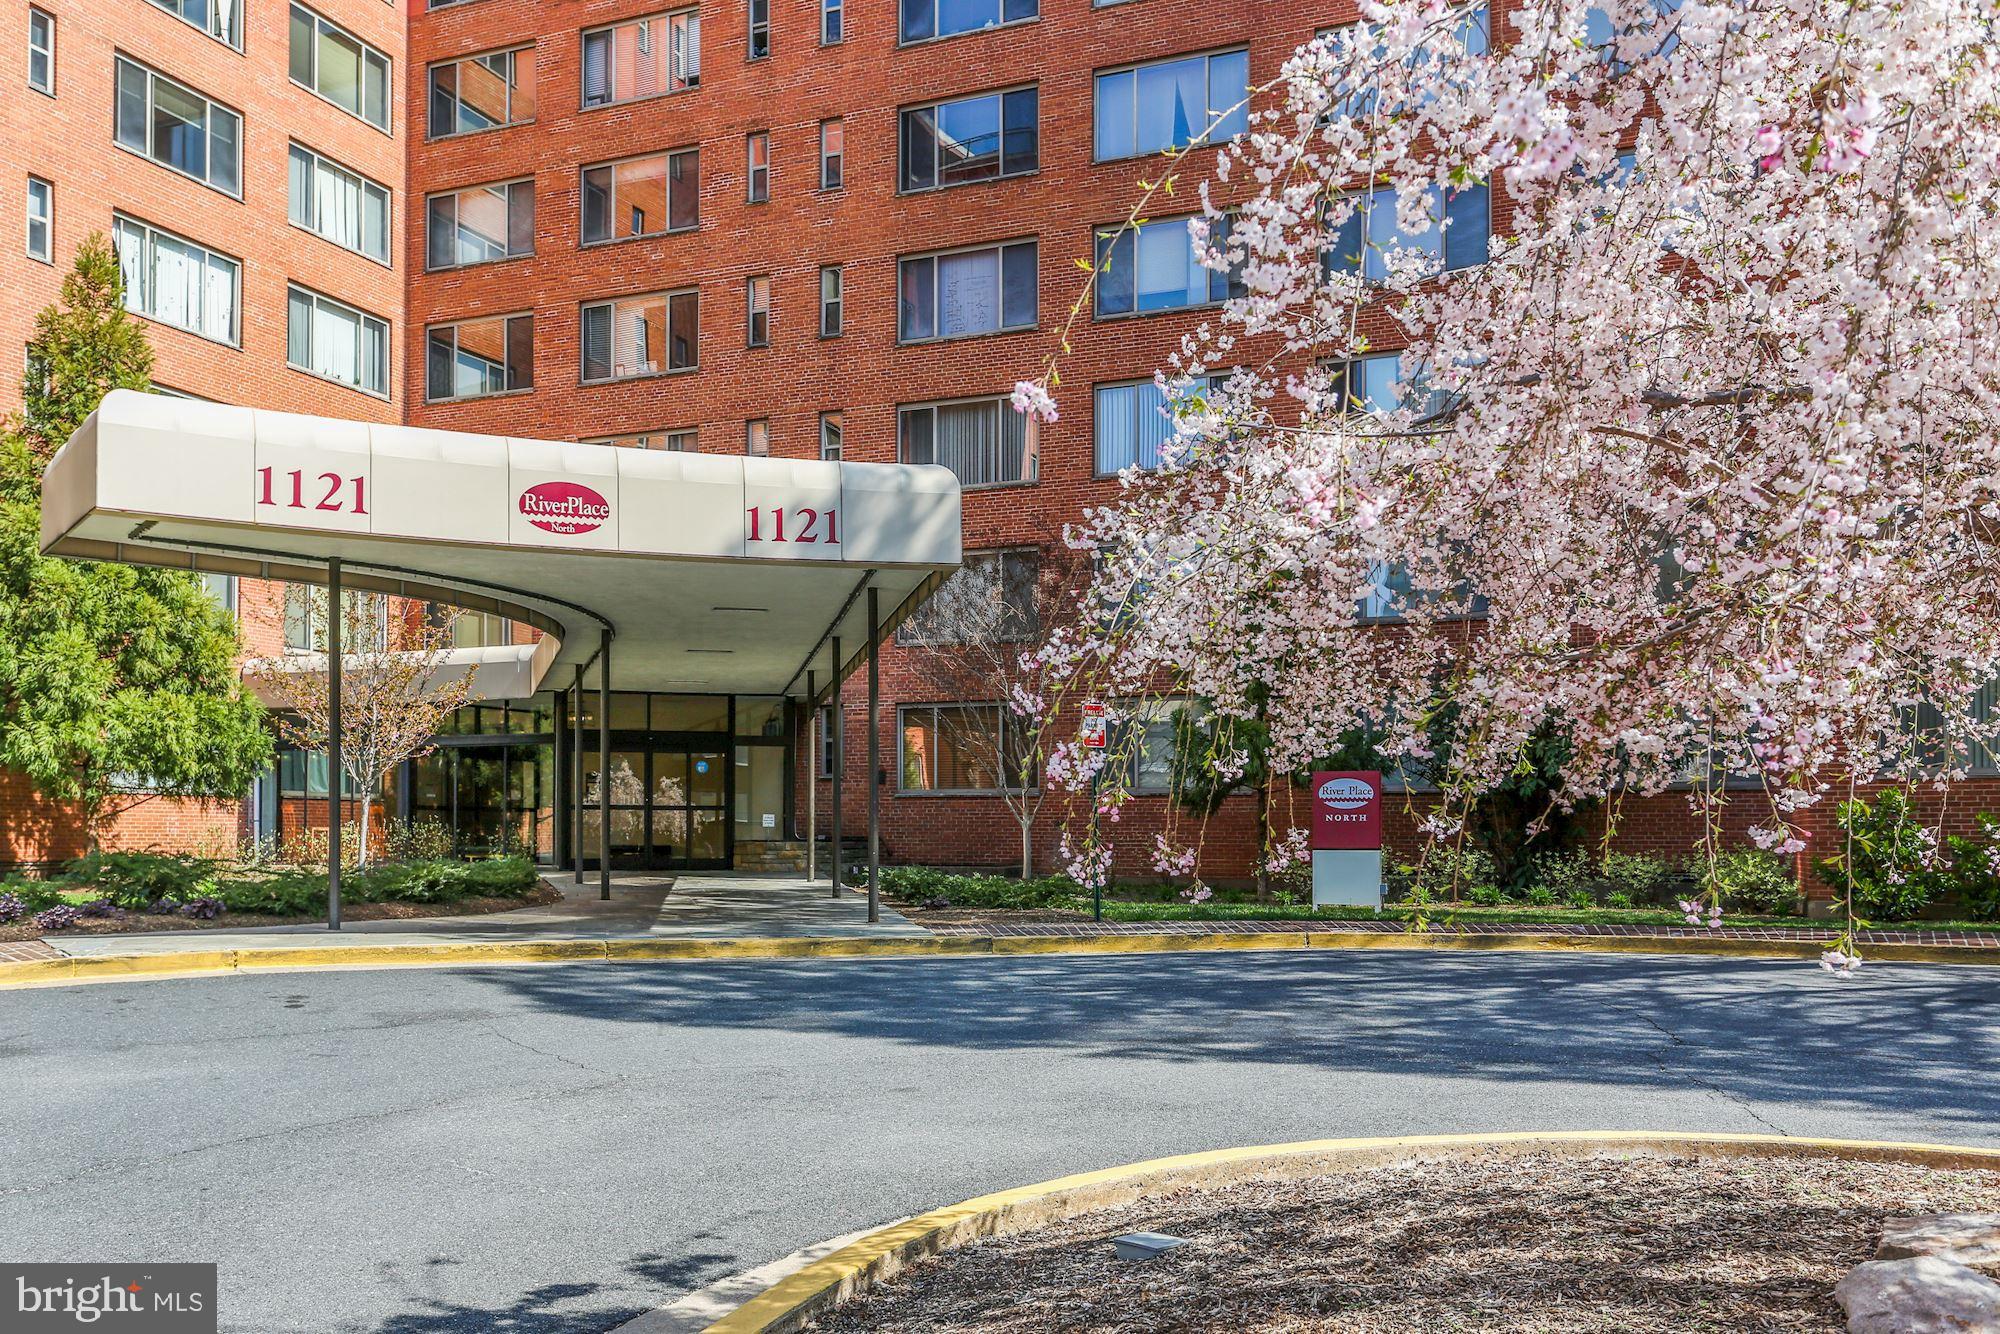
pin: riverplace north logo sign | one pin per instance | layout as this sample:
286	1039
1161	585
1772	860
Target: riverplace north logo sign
1346	794
564	507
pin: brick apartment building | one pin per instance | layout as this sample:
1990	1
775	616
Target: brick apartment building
806	228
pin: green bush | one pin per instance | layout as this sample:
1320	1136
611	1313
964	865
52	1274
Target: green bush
1751	880
1488	896
1448	872
416	840
1564	875
137	879
35	895
1640	877
293	893
922	885
1618	898
1540	897
1974	869
1896	868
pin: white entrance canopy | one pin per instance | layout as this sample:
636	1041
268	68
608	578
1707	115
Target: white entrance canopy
713	573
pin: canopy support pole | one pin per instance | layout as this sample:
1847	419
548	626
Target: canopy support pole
874	759
576	776
812	780
334	786
839	763
604	764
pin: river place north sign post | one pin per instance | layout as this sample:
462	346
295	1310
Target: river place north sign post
1347	838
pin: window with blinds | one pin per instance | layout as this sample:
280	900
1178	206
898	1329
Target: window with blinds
962	749
640	335
642	57
343	207
1456	237
1132	421
983	441
177	281
334	341
339	67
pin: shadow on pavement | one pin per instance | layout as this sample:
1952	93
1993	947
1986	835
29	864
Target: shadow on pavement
1897	1037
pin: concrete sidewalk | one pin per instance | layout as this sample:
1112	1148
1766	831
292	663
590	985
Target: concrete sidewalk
694	906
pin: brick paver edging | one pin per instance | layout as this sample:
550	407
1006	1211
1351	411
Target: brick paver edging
1571	930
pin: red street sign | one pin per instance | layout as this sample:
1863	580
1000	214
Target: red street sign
1347	810
1093	726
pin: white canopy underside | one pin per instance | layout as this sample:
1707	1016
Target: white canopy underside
714	573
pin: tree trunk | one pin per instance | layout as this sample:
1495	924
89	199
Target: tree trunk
1027	847
361	852
1263	840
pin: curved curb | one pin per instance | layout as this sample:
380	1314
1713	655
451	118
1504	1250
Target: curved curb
822	1285
81	968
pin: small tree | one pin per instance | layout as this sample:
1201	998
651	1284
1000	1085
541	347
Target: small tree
981	637
107	672
396	689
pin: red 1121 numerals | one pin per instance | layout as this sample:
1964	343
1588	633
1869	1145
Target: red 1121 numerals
807	525
334	491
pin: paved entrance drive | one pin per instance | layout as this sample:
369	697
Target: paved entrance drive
696	905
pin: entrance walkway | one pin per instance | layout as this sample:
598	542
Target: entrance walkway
697	905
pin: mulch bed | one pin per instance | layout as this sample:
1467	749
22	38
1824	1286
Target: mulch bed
1540	1242
543	893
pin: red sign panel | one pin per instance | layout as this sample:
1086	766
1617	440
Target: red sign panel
1093	726
1347	810
564	507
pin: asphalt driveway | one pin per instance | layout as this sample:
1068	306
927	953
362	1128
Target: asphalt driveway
561	1148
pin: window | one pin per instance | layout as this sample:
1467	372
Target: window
1455	239
1157	266
646	57
983	441
1358	101
42	51
990	599
1376	384
335	341
757	438
1132	422
474	358
479	225
340	67
179	128
971	139
831	282
829	22
221	588
483	92
174	281
832	135
959	748
220	19
757	172
642	196
675	442
349	210
41	217
477	629
1171	103
760	29
824	748
305	629
639	335
1147	730
966	292
757	320
1654	36
829	437
925	19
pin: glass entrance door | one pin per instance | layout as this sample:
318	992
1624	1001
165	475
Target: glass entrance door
669	808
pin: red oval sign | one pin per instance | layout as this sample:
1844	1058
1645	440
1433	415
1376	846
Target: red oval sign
564	507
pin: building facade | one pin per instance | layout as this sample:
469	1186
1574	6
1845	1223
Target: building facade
789	227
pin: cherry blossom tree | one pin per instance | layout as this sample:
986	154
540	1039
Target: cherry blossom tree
1696	465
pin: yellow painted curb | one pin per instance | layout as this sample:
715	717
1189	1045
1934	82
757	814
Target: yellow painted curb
819	1287
72	969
